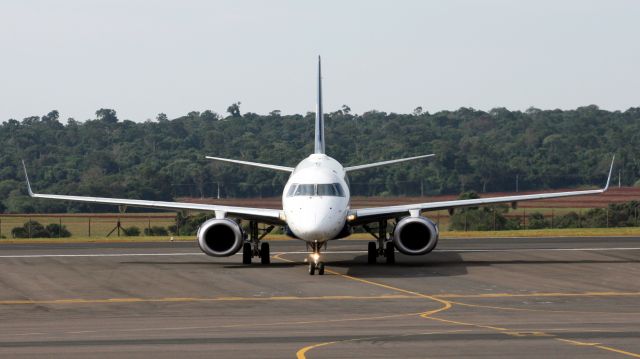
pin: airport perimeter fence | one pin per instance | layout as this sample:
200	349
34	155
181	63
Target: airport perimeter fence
85	225
164	224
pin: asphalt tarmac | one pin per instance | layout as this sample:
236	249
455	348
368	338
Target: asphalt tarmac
513	297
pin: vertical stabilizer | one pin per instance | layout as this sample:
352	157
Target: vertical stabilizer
319	141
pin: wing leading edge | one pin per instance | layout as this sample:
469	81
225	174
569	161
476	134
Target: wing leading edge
262	214
365	214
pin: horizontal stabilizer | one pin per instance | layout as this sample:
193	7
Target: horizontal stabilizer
255	164
376	164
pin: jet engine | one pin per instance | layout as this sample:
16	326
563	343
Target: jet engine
220	237
415	235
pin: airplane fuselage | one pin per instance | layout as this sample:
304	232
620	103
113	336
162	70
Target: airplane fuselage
316	199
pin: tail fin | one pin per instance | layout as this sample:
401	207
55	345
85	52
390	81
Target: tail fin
319	141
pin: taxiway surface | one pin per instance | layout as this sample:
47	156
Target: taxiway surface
524	297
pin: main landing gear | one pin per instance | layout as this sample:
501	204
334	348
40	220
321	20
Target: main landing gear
314	259
252	246
384	248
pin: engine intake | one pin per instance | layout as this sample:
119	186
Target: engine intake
220	237
415	235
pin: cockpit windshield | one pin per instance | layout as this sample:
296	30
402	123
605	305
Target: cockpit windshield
320	189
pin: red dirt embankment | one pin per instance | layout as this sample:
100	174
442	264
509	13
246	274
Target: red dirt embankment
613	195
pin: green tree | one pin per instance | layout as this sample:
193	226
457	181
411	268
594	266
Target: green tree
234	109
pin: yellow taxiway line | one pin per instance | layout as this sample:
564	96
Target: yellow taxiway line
446	305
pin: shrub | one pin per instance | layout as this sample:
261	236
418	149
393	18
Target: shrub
155	231
569	220
595	218
56	230
537	221
34	229
132	231
188	225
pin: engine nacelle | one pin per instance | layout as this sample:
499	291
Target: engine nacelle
220	237
415	235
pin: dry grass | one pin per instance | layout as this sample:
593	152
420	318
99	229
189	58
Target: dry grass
101	224
78	224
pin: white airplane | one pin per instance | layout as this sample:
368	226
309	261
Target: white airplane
316	209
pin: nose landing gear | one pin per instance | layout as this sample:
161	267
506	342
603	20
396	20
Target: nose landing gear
315	264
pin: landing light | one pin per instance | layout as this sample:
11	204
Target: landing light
315	256
351	217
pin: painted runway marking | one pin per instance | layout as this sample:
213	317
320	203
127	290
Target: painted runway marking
408	295
301	354
600	249
447	305
600	346
198	299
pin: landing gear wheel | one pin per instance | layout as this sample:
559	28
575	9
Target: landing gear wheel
246	253
312	268
265	256
390	253
372	253
321	268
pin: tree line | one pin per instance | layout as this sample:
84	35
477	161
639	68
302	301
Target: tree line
161	159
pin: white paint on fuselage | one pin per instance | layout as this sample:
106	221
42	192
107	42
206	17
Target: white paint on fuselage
316	218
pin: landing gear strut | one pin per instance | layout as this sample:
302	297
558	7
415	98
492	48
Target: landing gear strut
384	247
314	259
252	246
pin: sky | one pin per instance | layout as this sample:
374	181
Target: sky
142	58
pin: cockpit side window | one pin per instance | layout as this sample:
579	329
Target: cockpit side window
292	189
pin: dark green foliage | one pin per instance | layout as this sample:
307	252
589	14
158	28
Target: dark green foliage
595	218
536	220
569	220
479	219
623	214
55	230
188	225
33	229
156	231
475	150
132	231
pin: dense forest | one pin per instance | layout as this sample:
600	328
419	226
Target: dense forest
162	159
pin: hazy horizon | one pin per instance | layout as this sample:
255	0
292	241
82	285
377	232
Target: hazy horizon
173	57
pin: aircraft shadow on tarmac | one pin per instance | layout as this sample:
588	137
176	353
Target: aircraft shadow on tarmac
435	264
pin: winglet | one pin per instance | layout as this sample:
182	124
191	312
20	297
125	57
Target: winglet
26	176
610	172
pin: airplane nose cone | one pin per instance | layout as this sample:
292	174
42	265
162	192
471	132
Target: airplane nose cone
316	224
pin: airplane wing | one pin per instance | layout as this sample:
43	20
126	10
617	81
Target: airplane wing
364	215
266	215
